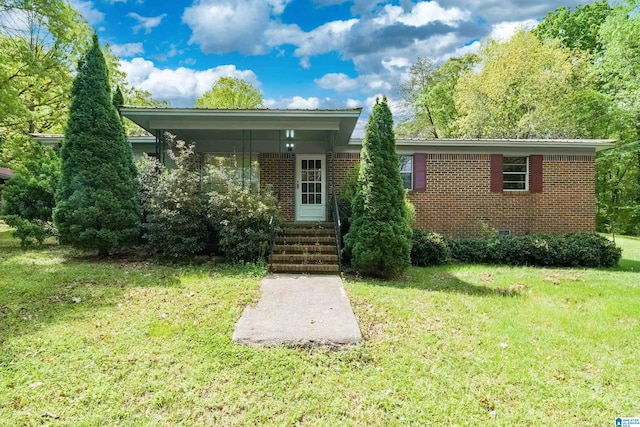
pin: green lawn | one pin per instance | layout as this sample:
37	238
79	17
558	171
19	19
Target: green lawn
124	343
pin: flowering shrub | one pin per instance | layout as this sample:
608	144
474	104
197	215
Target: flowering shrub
247	220
174	204
190	210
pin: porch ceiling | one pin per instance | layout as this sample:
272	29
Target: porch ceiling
222	130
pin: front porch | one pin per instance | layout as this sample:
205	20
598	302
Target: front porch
293	152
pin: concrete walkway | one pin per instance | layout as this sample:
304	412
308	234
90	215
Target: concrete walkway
299	310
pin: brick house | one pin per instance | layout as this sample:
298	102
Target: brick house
456	186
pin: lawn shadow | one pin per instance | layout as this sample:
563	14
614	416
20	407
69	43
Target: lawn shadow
439	279
630	265
45	285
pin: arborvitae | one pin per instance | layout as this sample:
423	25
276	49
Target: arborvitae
97	200
118	99
380	234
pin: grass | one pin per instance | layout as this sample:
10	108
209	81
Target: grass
92	343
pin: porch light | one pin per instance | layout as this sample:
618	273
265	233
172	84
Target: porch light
289	146
290	133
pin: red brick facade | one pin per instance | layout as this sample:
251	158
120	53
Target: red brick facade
457	200
278	170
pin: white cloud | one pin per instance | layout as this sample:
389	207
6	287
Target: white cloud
146	23
127	49
87	9
301	103
504	30
323	39
337	81
421	14
221	26
181	86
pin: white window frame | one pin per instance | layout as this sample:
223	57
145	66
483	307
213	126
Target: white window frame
526	172
410	173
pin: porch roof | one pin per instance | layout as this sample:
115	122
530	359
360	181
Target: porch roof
226	127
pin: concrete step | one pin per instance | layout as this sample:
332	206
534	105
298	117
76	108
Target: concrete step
304	258
316	225
305	268
299	231
301	249
308	240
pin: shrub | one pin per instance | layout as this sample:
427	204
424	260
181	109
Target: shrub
176	206
247	220
428	248
28	198
470	249
191	211
249	224
592	249
570	250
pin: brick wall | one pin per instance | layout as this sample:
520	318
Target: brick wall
457	199
278	170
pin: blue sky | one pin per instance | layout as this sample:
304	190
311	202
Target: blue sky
298	53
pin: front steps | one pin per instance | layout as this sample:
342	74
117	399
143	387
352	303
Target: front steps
305	247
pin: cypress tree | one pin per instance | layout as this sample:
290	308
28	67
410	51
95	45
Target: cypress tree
380	234
97	200
118	99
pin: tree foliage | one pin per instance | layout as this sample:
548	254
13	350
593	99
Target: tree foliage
380	235
429	91
577	29
39	40
230	92
97	204
28	198
524	89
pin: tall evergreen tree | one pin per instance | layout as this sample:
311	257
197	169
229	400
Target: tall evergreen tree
380	234
97	204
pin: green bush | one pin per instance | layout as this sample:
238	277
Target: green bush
247	220
28	198
470	249
177	220
249	224
191	211
30	232
428	248
552	250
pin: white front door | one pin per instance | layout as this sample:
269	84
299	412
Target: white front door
311	177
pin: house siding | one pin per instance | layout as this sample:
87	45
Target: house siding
458	199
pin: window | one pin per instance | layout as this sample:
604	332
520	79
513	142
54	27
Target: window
245	169
406	171
515	173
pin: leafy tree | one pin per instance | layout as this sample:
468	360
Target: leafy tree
230	92
430	92
380	235
39	40
524	89
97	204
577	29
618	170
28	198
